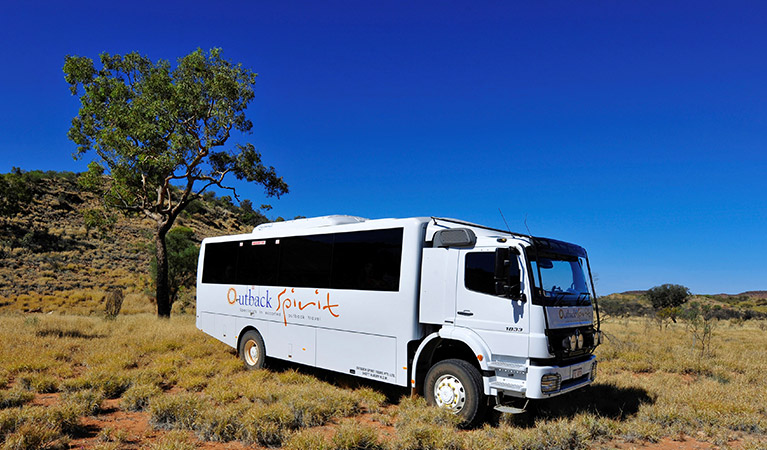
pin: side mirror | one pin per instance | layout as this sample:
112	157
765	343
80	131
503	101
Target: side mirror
507	273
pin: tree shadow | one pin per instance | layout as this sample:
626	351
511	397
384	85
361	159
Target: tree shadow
40	241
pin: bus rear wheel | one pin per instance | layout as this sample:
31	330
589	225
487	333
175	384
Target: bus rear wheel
252	350
456	385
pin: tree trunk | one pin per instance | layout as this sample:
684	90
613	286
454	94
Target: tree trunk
163	285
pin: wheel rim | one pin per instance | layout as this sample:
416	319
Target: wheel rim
449	393
251	353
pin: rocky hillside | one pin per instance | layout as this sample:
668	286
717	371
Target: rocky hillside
53	259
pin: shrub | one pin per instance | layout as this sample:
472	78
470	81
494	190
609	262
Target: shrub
87	402
420	426
137	397
351	435
111	384
370	399
98	219
114	302
178	411
307	440
319	403
175	440
34	436
267	425
38	382
222	424
15	397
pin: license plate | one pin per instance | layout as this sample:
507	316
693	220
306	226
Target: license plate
577	372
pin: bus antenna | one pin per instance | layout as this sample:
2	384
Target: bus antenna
504	221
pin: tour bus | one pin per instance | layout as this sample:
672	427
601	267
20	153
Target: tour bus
469	316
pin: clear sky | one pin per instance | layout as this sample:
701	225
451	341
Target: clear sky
636	129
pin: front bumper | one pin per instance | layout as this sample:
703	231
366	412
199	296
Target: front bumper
524	381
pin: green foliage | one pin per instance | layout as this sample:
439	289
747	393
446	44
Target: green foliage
618	305
15	191
160	132
182	252
667	298
668	295
250	216
701	323
98	219
18	188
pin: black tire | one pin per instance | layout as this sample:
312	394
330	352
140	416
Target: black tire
252	350
456	385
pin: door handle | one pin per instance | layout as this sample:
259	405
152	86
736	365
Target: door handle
466	312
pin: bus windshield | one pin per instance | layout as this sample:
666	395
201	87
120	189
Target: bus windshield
560	280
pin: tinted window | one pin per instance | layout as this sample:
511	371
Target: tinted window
363	260
220	264
480	272
305	261
257	263
368	260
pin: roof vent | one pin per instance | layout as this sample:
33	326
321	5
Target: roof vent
311	222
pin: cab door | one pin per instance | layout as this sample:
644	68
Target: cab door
502	323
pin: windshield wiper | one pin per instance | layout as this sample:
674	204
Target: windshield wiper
558	297
585	300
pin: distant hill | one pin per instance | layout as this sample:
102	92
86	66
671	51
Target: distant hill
747	305
50	260
750	294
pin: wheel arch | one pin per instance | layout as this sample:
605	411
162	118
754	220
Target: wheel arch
447	344
242	333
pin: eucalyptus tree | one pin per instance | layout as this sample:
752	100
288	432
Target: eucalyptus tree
161	136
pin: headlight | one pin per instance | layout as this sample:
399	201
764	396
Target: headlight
551	382
578	339
573	342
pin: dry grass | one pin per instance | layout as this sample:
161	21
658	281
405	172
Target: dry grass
652	383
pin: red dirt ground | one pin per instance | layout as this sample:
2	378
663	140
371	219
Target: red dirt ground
137	433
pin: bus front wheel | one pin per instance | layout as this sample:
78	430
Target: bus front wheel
456	385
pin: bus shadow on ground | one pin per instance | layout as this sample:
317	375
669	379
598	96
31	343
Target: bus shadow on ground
602	400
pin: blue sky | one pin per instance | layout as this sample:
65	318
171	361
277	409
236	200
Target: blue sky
636	129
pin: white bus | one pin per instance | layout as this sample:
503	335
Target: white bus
470	316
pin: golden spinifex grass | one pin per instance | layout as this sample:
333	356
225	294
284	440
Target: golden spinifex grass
652	383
